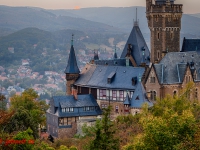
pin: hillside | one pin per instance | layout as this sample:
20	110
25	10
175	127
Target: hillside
43	48
17	18
123	18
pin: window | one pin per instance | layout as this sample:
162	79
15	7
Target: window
152	79
103	106
153	95
171	35
174	93
121	95
158	35
196	94
116	109
87	108
158	55
114	94
67	109
102	93
71	109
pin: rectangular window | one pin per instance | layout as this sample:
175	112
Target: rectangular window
102	93
69	121
121	95
116	109
114	94
71	109
103	106
152	79
65	121
88	108
92	108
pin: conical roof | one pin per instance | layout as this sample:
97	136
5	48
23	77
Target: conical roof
72	66
127	100
138	43
139	97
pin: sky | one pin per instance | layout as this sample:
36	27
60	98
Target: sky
190	6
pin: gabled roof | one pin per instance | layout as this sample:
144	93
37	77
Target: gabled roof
127	100
96	76
137	42
190	45
172	68
139	97
72	66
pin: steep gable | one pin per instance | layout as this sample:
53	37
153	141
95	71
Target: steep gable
138	43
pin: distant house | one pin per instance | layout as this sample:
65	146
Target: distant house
11	49
66	111
25	62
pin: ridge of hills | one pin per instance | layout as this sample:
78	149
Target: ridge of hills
17	18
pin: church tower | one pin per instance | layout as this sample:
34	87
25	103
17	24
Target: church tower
164	21
72	70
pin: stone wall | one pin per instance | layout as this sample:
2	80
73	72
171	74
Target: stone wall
68	132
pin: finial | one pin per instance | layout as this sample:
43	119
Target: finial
136	14
136	22
72	39
115	48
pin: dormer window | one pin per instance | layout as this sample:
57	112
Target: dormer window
67	109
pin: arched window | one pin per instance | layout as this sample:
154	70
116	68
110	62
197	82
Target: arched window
153	95
158	35
174	93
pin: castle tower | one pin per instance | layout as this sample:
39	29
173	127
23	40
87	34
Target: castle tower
72	70
164	21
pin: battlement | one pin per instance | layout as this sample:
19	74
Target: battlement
164	8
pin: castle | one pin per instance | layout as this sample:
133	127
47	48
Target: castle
137	77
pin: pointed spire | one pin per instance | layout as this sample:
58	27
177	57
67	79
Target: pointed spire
72	66
115	54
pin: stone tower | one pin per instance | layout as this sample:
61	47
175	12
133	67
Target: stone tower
164	21
72	70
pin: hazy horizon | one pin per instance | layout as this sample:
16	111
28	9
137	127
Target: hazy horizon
191	6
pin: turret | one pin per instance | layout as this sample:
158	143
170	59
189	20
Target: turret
72	71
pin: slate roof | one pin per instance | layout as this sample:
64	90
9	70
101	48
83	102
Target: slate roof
72	66
127	100
69	102
137	41
96	76
112	62
139	97
190	45
172	67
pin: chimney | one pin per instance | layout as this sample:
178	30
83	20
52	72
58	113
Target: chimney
74	93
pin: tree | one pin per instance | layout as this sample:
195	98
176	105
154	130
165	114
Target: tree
170	125
2	102
29	112
104	134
